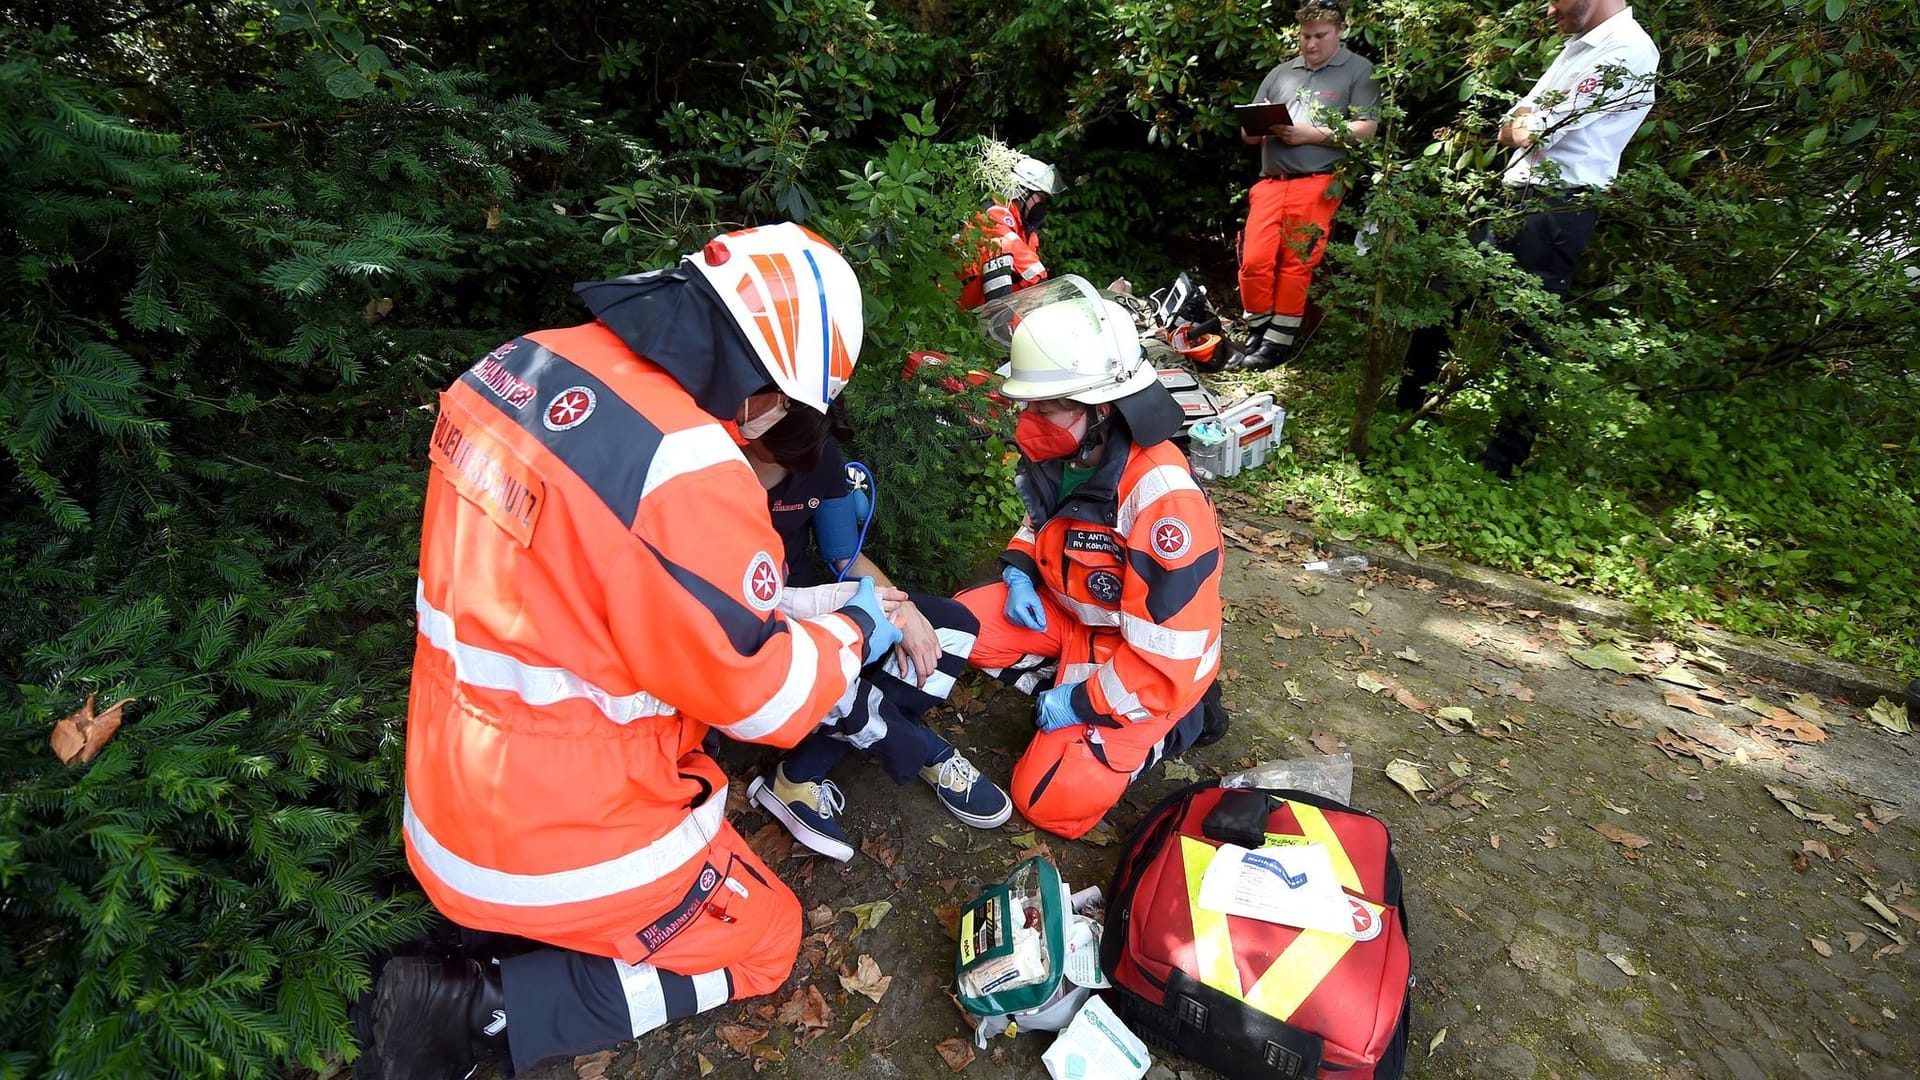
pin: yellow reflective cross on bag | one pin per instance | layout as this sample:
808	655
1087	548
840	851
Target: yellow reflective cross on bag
1300	967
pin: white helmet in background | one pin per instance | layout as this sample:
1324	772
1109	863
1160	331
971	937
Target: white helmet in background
797	302
1073	343
1032	174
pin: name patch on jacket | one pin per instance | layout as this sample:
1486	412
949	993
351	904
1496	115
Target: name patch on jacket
1089	540
487	473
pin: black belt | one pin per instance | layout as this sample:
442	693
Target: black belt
1295	175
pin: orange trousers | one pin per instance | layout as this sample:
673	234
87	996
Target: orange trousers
1285	238
1068	778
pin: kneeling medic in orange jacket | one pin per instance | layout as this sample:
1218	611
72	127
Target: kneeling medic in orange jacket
1111	587
599	585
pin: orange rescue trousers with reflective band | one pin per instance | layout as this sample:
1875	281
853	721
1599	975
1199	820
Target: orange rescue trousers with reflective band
1064	783
1286	235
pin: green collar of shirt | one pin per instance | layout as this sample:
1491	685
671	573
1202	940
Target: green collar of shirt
1336	60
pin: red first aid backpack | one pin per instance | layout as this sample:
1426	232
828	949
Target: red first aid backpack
1250	998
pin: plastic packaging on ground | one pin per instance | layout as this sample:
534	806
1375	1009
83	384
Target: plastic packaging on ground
1329	776
1097	1046
1345	564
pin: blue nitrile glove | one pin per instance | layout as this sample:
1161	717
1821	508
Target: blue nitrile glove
884	634
1023	604
1053	709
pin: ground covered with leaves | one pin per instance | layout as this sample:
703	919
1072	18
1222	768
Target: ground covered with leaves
1623	859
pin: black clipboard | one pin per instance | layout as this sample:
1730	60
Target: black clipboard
1258	118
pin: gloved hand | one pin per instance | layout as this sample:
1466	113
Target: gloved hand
1053	709
1023	604
885	635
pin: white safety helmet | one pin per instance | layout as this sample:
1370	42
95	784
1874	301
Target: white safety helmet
1076	345
796	301
1032	174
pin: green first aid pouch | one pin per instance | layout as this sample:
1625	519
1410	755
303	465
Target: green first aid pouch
1012	942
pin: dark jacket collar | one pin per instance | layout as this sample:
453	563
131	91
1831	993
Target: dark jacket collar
673	318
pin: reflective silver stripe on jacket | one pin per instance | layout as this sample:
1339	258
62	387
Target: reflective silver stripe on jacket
535	685
1157	482
1163	641
637	868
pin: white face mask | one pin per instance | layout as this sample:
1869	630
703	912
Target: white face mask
752	427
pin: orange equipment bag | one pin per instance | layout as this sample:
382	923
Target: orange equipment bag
1248	997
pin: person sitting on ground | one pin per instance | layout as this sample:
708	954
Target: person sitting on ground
1111	587
1007	232
799	461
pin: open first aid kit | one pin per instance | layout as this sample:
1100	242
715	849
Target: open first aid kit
1260	932
1239	438
1029	953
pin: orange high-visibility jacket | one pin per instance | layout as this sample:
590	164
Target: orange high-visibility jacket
598	580
1134	554
1007	259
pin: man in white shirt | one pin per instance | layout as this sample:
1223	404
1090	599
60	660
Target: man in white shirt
1567	135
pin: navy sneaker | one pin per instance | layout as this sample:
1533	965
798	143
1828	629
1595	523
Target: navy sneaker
807	809
973	799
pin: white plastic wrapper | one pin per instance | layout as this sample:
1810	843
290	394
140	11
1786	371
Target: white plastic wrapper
1097	1046
1329	776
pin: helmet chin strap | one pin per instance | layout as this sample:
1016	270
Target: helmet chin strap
1095	438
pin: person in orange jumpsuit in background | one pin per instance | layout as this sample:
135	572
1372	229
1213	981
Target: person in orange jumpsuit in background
1112	584
599	582
1290	211
1007	231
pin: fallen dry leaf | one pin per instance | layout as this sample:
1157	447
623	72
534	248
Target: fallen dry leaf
1625	720
81	734
1607	656
866	916
1855	940
1816	847
820	916
1622	837
1890	716
1370	682
1681	700
740	1037
1438	1038
1181	771
867	979
807	1013
1620	961
957	1053
1820	946
1286	633
1407	774
772	842
1326	743
884	850
859	1022
1889	950
1678	675
1880	908
592	1066
1412	656
948	915
1792	728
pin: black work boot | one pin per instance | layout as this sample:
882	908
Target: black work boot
434	1020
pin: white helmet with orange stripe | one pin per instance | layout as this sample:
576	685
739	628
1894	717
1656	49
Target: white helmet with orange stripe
796	301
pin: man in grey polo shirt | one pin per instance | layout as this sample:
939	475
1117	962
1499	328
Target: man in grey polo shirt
1334	101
